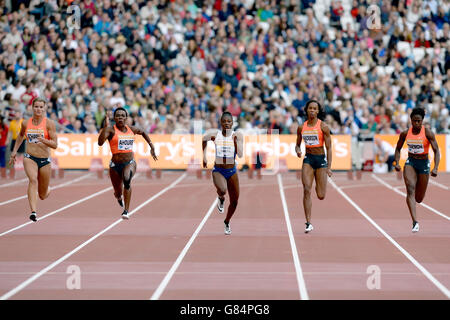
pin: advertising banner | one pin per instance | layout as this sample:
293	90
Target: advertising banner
177	151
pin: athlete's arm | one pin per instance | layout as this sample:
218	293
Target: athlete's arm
146	138
209	135
299	141
19	140
398	148
327	140
53	141
239	138
105	133
437	154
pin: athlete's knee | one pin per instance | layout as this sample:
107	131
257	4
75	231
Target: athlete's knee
127	182
410	189
43	195
221	192
419	198
321	196
306	191
33	181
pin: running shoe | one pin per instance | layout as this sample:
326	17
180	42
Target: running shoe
309	227
125	215
120	202
220	205
415	226
33	216
227	229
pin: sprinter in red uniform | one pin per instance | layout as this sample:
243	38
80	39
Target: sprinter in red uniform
122	165
316	165
417	167
40	134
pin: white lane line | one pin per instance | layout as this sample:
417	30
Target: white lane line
427	274
298	268
57	210
51	188
387	185
439	185
162	286
30	280
13	183
249	273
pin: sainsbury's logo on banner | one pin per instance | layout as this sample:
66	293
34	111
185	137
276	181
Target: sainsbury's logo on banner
76	151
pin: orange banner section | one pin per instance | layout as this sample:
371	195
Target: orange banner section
76	151
440	138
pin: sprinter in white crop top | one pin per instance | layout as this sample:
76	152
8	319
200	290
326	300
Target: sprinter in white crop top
228	144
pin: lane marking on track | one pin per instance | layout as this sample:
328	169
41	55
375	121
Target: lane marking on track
440	185
162	286
51	188
298	268
387	185
427	274
57	210
37	275
250	273
13	183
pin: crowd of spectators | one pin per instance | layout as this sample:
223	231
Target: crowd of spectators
171	63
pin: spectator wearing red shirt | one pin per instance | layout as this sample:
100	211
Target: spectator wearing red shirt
28	96
421	42
3	137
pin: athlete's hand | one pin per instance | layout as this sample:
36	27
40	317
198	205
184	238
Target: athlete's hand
434	172
397	167
41	140
205	163
329	172
12	159
106	120
298	151
152	151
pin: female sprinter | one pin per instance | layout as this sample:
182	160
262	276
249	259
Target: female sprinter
40	134
228	144
315	165
417	167
122	165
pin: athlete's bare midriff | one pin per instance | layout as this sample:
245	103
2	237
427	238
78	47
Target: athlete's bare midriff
315	150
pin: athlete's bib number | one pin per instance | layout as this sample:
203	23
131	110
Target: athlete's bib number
33	137
126	144
415	148
225	151
311	139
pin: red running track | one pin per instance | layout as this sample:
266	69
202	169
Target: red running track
156	254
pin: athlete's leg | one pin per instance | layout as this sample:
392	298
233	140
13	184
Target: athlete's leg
220	183
233	191
307	181
127	175
321	182
410	177
116	181
421	187
31	170
43	178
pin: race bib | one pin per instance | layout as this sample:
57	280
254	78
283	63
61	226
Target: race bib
225	149
126	143
311	138
415	146
32	136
